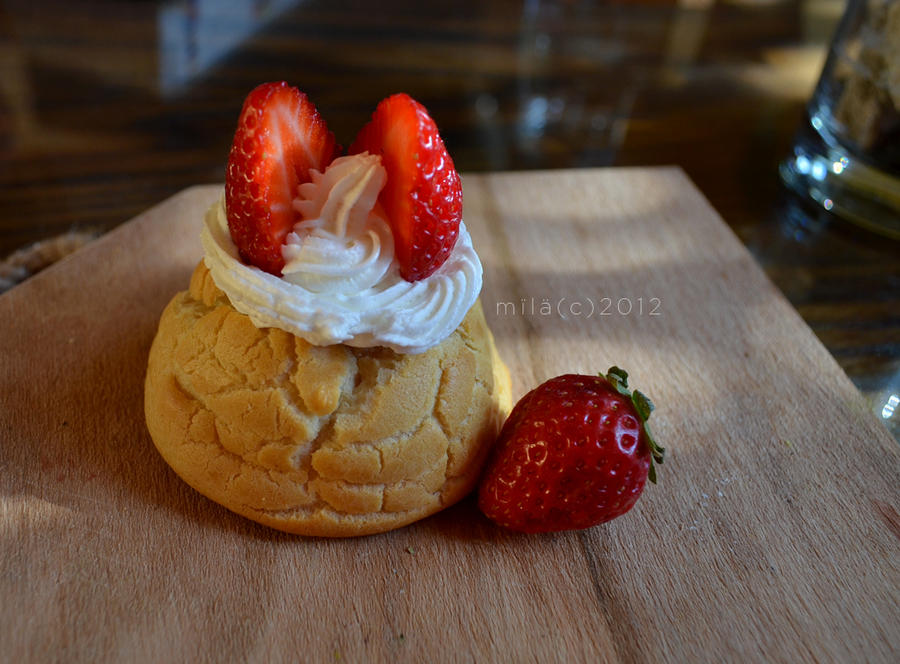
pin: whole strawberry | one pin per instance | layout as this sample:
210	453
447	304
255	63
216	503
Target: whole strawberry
576	451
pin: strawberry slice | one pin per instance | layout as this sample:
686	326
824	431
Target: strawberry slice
279	137
423	194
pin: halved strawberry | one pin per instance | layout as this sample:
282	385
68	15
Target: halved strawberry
279	137
423	194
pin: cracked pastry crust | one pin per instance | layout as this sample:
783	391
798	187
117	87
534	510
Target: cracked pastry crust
329	441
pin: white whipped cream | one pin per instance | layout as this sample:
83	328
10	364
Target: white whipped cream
342	246
341	281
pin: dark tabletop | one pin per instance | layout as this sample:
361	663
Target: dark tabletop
109	107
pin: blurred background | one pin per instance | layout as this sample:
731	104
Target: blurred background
107	108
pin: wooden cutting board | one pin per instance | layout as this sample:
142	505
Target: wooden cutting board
773	534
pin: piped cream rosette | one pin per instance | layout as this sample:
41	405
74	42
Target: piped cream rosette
341	282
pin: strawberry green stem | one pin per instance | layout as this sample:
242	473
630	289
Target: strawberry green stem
618	378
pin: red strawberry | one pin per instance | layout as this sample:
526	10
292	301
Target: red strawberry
423	194
575	451
279	137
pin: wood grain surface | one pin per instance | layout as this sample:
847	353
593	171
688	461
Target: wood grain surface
772	535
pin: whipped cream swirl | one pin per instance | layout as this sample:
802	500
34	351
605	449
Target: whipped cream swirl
341	281
342	246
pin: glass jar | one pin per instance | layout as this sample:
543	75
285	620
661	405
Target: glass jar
846	156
